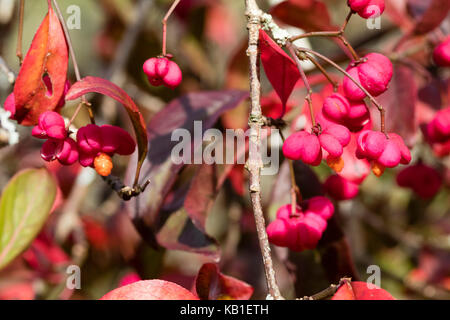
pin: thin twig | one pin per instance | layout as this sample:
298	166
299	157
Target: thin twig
335	84
347	20
296	195
255	164
74	62
164	23
124	192
309	91
328	292
332	34
335	65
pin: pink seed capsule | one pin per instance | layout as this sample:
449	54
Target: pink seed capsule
341	189
51	125
424	180
385	151
336	107
300	230
374	75
162	71
441	54
367	8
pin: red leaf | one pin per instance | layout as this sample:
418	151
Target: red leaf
213	285
48	55
309	15
150	290
201	194
147	210
280	69
105	87
429	14
358	290
396	11
400	104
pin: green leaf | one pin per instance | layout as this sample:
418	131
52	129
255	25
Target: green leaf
24	207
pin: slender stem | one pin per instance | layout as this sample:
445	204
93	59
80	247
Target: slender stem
296	195
164	23
309	91
20	35
328	292
349	47
332	34
372	99
347	20
74	62
323	71
255	164
326	34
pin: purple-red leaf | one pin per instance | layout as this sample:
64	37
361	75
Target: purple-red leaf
47	56
309	15
400	103
201	194
105	87
156	213
213	285
429	14
280	69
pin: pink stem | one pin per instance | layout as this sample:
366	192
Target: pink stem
164	22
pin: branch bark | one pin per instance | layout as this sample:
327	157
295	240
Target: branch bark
255	164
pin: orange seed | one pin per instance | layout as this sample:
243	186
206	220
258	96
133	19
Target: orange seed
103	165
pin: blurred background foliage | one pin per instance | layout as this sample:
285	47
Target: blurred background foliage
385	225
